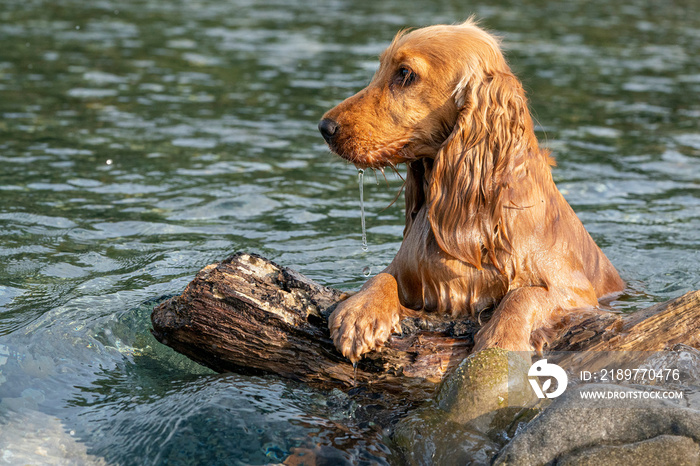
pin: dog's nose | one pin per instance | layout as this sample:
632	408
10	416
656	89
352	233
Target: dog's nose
328	128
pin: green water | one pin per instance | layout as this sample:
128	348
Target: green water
143	140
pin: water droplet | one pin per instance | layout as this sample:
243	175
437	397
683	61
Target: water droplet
77	28
109	162
366	271
361	179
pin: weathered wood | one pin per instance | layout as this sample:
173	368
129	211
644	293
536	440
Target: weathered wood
249	315
626	340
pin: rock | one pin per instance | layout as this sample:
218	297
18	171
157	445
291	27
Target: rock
427	436
664	450
487	390
486	396
32	437
573	425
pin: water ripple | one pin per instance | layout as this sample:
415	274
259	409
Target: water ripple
145	140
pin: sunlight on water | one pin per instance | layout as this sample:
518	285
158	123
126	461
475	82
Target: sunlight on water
140	144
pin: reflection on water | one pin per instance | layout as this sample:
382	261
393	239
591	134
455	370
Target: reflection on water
140	141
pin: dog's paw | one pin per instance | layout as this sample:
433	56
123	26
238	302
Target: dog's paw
359	325
366	320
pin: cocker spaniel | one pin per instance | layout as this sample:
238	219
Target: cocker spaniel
486	227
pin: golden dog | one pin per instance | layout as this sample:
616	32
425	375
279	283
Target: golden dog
485	224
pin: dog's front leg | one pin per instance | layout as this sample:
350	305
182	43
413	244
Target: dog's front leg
366	320
524	318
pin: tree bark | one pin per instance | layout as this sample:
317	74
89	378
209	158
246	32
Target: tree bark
249	315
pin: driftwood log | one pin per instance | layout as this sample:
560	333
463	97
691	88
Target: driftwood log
249	315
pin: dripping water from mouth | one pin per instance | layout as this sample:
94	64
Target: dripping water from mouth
361	178
366	271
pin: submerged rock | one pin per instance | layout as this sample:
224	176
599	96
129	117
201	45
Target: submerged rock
477	406
427	436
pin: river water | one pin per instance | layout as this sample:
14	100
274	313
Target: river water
142	140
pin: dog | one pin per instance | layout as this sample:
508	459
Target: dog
486	227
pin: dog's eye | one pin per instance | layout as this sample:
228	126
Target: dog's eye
405	76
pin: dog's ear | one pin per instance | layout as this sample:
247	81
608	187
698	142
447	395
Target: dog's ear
473	167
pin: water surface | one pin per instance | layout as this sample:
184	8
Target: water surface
141	141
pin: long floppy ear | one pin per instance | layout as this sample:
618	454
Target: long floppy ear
473	167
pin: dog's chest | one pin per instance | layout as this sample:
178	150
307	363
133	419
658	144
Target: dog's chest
430	279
